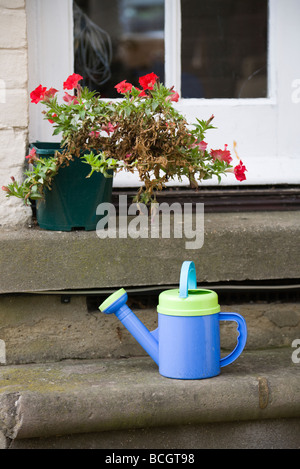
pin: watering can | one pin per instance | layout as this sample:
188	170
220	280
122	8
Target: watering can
186	344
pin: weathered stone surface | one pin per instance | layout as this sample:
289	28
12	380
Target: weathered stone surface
236	246
13	107
13	27
13	4
40	328
13	66
259	434
74	397
3	441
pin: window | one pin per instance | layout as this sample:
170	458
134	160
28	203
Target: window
116	40
242	57
224	48
223	45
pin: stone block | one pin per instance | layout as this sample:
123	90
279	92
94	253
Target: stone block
13	29
12	4
14	214
14	111
13	68
13	149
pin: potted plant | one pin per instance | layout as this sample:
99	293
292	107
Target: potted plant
142	132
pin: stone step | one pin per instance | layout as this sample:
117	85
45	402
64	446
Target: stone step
234	247
43	328
126	403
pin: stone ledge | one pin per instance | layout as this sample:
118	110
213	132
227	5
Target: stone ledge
76	397
237	246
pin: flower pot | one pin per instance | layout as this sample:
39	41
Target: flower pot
73	199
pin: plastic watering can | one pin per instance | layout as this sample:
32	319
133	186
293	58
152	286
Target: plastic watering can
186	344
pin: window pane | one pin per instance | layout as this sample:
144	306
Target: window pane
224	48
116	40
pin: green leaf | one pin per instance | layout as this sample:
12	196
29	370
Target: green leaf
57	131
154	106
82	114
34	189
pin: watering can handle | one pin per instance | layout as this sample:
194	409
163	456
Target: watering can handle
188	279
241	340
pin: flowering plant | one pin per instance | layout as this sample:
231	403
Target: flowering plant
142	132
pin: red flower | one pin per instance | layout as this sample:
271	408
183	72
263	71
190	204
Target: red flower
72	81
70	99
239	171
222	155
5	189
142	93
50	93
38	94
109	128
123	87
32	156
147	82
173	97
202	145
94	133
52	121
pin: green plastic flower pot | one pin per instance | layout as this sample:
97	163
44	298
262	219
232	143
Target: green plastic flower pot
73	199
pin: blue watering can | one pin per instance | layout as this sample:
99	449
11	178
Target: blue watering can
186	344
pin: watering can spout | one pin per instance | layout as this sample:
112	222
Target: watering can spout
116	303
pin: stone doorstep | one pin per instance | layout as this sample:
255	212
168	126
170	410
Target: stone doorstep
80	397
237	247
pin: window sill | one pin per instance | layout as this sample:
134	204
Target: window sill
227	198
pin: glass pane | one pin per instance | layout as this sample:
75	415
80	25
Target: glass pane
116	40
224	48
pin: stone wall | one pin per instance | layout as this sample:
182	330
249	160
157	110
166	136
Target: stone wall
13	106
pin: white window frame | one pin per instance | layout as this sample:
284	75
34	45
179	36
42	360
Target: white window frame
50	55
265	129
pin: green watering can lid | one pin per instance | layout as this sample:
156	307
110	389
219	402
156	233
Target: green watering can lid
188	300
